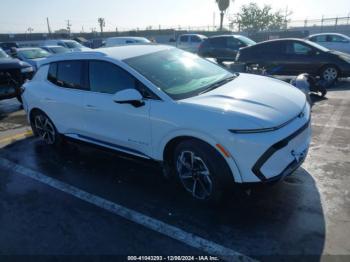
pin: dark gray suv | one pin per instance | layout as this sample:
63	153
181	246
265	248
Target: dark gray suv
223	47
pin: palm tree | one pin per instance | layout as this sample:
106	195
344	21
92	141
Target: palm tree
223	5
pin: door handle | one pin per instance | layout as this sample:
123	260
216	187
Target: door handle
49	99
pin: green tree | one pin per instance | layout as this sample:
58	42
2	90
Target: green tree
252	18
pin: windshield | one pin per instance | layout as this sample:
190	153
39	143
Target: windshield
179	74
246	40
3	54
142	40
313	44
73	44
59	50
33	53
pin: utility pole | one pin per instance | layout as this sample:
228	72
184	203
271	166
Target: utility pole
69	26
285	18
48	25
102	23
30	30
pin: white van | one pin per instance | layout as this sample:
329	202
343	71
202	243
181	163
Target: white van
190	42
128	40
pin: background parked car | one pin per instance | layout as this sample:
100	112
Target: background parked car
296	56
69	44
190	42
13	73
332	41
7	46
223	47
31	55
55	49
129	40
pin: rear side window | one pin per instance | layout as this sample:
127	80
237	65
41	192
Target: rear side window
233	43
218	42
108	78
295	48
336	39
195	39
319	38
66	74
52	74
184	38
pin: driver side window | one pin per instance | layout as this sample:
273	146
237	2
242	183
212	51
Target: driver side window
298	49
108	78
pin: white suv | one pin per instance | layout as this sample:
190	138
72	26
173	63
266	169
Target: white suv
190	42
207	126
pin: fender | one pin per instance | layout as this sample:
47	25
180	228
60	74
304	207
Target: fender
158	149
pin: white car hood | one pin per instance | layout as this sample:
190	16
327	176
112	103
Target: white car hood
263	101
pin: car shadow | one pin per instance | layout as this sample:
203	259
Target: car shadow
284	221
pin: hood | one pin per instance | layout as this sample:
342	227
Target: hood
36	62
263	101
11	63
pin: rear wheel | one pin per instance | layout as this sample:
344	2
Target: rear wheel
201	170
329	73
44	128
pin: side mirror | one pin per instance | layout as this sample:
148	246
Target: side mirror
129	96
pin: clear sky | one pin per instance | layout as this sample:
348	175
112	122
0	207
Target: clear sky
17	15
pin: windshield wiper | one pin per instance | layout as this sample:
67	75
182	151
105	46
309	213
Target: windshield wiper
218	84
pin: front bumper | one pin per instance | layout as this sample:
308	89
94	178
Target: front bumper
269	156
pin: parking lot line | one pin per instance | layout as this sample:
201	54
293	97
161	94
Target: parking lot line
168	230
16	137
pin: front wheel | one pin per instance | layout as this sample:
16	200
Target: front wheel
329	73
201	170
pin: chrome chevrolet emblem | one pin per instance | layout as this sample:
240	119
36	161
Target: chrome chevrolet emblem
299	156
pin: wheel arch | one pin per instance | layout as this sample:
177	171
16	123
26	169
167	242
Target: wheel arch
319	72
168	146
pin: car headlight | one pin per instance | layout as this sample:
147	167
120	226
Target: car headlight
306	112
251	131
27	69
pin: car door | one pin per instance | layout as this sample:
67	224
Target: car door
63	102
218	46
301	58
121	126
270	56
232	47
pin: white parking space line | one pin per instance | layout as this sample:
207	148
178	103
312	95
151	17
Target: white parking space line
173	232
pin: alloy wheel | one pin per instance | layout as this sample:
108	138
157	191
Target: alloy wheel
45	129
194	175
330	74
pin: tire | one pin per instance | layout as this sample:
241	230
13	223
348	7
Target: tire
329	73
207	177
44	128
